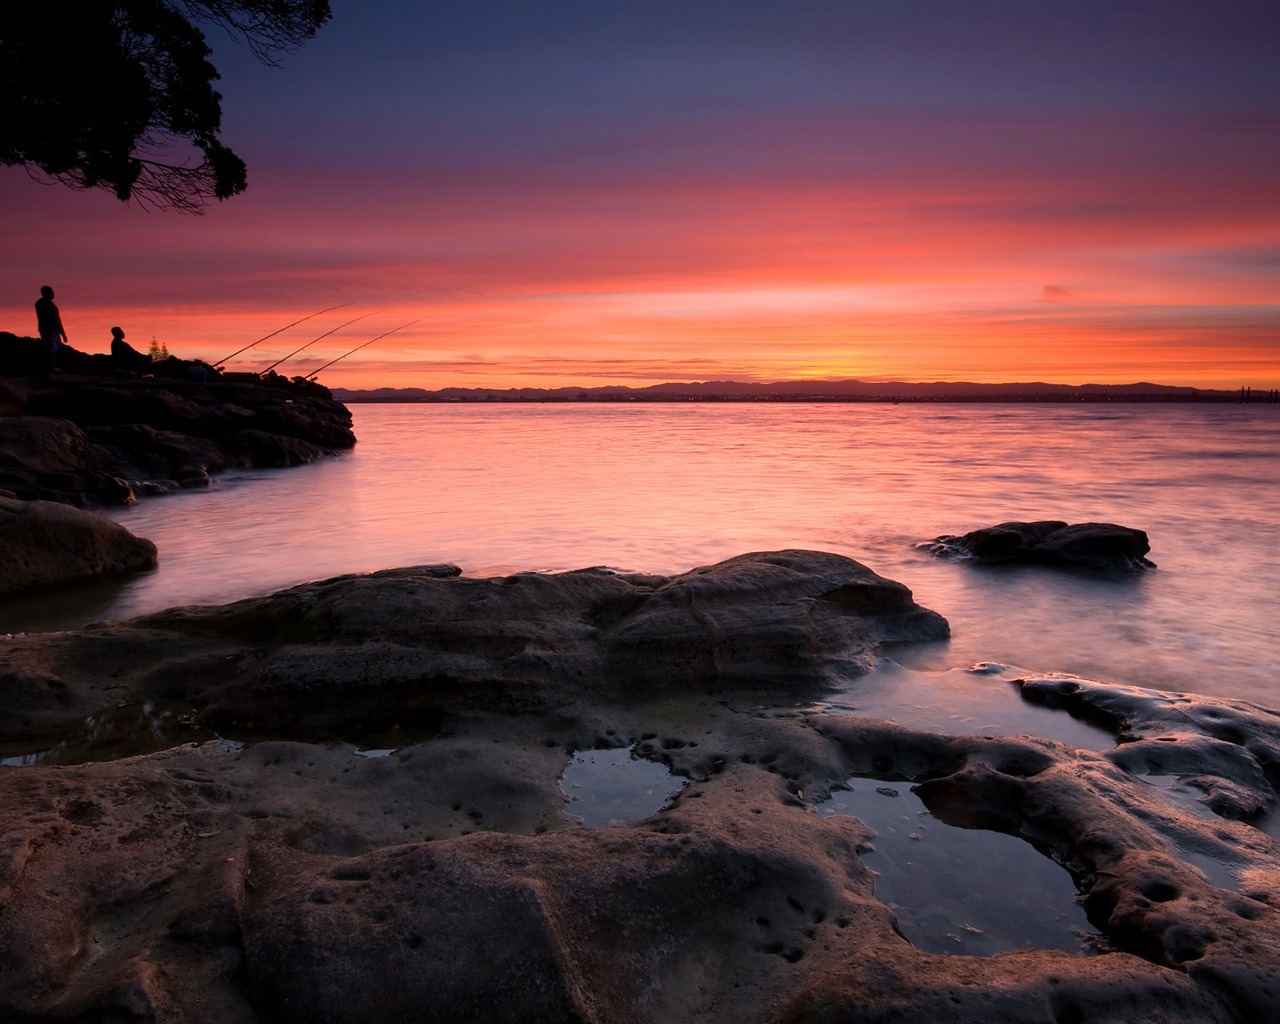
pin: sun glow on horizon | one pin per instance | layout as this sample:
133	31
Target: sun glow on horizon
759	231
805	332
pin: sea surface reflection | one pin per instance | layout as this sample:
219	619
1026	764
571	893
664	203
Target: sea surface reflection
663	488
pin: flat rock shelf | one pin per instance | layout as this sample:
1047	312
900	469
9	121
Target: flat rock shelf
346	804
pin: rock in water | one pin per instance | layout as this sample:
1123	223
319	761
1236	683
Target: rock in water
44	545
1083	546
383	647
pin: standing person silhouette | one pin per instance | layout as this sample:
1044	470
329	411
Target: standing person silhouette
49	324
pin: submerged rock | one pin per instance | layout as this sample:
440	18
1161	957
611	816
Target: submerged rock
45	545
1228	751
1084	546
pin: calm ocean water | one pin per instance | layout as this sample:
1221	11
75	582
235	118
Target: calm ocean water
663	488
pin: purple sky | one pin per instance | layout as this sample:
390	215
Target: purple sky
593	192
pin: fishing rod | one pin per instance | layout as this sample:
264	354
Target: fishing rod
285	328
313	341
313	373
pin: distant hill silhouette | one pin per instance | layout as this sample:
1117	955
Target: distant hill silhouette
805	391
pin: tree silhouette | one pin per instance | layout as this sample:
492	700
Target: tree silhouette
119	95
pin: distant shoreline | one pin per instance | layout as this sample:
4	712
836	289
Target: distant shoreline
354	398
851	391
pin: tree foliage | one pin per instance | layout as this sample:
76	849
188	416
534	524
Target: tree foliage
118	94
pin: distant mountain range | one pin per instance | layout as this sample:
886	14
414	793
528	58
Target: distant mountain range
815	391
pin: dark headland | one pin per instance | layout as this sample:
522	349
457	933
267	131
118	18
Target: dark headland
90	436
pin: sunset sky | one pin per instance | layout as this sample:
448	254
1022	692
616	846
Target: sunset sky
604	192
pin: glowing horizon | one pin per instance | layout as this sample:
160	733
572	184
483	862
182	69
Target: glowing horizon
746	202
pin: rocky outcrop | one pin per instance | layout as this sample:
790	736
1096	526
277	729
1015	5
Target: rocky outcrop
87	440
92	440
45	545
292	880
186	892
1089	547
396	647
42	458
296	881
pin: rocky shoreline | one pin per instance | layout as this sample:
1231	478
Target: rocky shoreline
193	829
259	869
93	440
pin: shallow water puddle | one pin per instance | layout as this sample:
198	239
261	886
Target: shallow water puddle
1174	789
139	727
1184	797
616	787
978	701
957	890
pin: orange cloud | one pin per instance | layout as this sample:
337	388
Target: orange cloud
852	265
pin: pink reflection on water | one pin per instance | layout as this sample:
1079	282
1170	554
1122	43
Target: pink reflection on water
664	488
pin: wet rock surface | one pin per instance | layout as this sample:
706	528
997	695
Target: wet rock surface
45	545
1089	547
292	879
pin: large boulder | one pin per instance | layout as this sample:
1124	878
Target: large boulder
394	647
44	545
1082	546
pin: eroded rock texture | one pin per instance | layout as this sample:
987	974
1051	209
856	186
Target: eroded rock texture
293	880
1091	547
